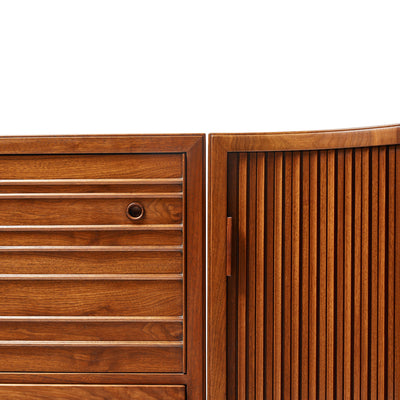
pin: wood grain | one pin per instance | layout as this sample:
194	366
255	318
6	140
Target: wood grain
91	238
91	357
86	211
89	329
102	298
91	392
95	262
119	166
328	216
242	281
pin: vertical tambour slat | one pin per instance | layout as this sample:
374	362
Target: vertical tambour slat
330	279
269	276
374	274
347	273
312	369
365	274
305	220
339	273
397	280
322	275
260	290
391	276
357	274
233	182
251	275
242	231
295	275
278	276
382	274
287	275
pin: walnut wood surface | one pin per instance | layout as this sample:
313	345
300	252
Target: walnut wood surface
91	392
87	211
315	230
119	166
89	295
80	262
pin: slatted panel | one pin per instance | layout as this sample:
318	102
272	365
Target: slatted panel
84	288
319	250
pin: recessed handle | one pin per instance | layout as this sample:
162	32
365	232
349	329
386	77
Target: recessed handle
135	211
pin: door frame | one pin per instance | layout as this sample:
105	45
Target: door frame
220	144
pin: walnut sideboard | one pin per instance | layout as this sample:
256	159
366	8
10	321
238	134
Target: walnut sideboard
102	267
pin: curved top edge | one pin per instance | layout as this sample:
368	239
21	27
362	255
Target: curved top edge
366	128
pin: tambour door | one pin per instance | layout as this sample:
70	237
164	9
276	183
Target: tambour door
304	292
101	267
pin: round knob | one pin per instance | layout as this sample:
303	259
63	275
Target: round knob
135	211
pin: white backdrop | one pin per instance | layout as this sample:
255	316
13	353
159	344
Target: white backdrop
93	66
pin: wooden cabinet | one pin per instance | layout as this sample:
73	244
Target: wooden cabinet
102	267
309	304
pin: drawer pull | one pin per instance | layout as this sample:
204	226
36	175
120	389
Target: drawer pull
135	211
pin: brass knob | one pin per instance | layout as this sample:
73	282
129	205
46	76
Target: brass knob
135	211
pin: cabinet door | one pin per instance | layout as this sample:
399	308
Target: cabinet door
101	267
308	305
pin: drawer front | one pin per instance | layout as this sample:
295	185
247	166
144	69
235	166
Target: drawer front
104	166
84	287
91	392
91	295
75	210
86	357
90	262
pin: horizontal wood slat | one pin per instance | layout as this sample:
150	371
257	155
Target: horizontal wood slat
90	248
125	227
93	262
91	358
88	182
87	211
117	166
91	238
96	186
87	329
91	392
101	298
94	277
16	196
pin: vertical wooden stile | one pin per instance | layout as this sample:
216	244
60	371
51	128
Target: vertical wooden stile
260	281
330	290
373	374
390	270
295	275
242	277
269	276
348	274
278	276
382	275
357	275
251	276
365	210
397	280
232	281
305	222
312	369
340	274
322	274
287	275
